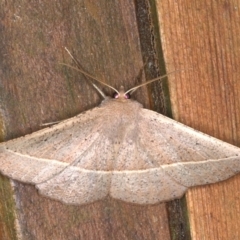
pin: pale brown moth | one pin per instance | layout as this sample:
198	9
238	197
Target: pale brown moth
135	155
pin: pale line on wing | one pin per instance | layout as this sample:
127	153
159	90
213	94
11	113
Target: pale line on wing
116	171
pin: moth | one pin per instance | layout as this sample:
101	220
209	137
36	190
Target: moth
118	149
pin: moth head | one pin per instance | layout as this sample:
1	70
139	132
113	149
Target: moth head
121	94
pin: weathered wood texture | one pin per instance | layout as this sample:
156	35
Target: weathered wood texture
35	89
203	37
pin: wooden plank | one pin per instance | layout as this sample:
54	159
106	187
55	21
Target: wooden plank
7	211
203	37
36	89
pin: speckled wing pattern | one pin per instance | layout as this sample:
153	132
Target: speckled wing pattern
118	149
176	157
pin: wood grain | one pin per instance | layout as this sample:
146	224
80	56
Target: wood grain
203	38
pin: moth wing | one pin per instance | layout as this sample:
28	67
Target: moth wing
176	157
51	158
75	185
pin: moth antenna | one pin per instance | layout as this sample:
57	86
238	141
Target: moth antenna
99	90
88	75
131	90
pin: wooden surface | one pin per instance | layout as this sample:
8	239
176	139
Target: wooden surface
104	35
203	37
36	89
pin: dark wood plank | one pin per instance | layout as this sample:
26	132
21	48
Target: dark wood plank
36	89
